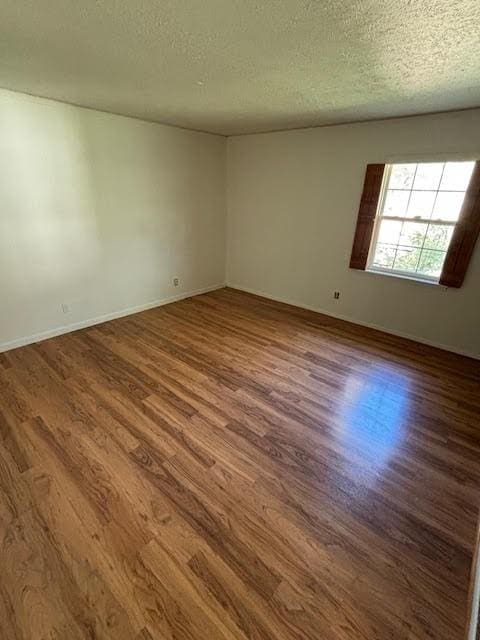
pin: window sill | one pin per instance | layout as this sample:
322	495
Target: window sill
403	276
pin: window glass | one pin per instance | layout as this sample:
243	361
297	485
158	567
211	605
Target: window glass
417	215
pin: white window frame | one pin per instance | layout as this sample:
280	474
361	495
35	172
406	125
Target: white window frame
409	275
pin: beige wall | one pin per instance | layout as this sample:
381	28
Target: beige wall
100	213
292	206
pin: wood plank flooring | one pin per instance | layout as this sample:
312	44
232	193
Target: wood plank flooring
227	467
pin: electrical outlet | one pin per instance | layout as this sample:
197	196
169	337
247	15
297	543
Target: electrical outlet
175	282
336	295
66	308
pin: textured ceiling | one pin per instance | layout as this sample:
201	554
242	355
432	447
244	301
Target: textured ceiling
238	66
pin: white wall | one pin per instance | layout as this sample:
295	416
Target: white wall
101	212
293	201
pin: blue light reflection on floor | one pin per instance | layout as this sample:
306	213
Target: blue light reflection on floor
374	415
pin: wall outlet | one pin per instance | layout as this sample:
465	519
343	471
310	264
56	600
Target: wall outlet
175	282
336	295
66	308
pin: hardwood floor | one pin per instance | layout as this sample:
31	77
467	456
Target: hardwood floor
230	467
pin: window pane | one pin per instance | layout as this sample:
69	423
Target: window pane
428	175
396	203
438	237
448	205
456	176
413	234
431	262
384	255
401	176
423	198
406	259
421	204
389	231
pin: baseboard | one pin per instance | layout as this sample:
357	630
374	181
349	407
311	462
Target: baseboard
90	322
474	623
473	628
370	325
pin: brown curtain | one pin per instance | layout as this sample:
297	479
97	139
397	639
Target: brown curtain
366	216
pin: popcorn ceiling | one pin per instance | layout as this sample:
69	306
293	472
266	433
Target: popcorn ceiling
231	66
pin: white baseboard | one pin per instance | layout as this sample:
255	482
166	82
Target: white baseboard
474	623
370	325
90	322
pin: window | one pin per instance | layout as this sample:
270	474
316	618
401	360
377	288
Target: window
418	209
418	220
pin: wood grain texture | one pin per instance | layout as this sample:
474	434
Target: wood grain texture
230	467
367	212
465	235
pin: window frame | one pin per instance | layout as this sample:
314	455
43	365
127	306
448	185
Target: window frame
399	273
